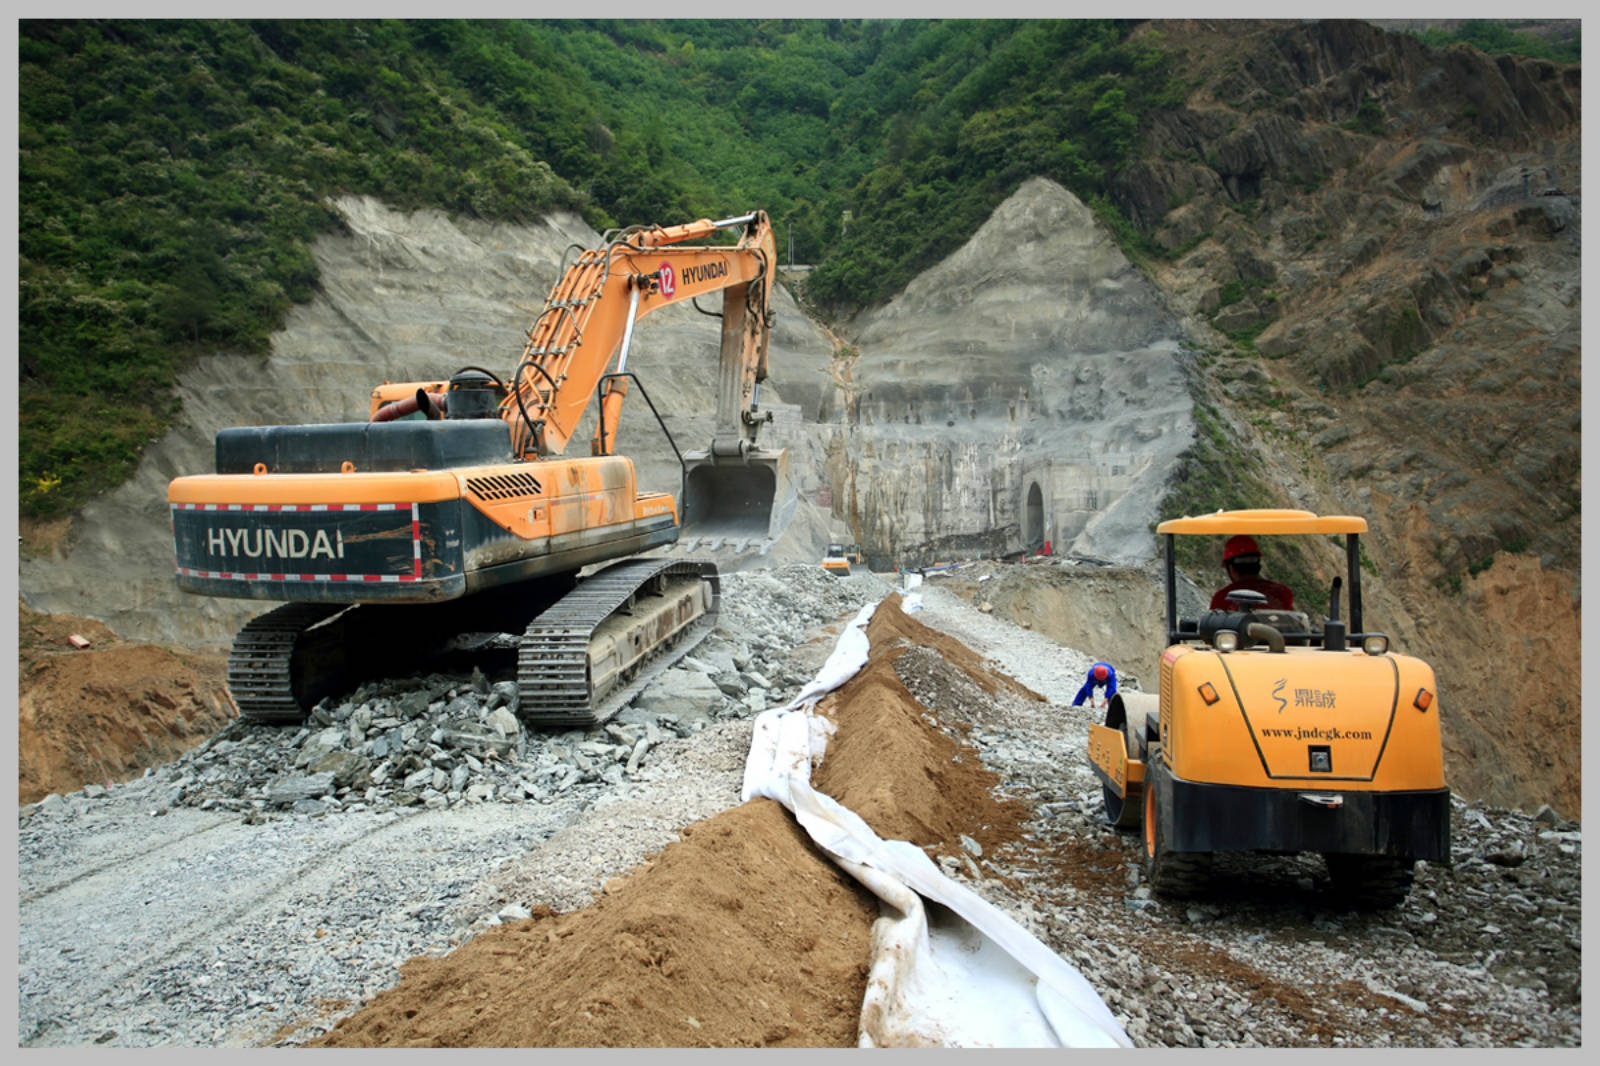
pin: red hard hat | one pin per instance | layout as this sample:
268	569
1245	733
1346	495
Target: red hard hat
1099	671
1239	545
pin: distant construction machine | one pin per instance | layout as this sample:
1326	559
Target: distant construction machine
451	515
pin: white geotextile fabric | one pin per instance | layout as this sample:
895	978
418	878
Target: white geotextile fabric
911	600
962	973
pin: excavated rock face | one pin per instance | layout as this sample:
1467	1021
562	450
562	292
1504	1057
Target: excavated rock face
1028	388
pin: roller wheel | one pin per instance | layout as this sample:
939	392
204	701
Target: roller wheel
1124	812
1370	882
1176	874
1120	812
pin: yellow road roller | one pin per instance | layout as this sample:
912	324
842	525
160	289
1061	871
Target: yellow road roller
1266	735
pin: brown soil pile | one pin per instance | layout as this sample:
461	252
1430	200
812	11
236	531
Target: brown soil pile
907	778
104	713
1513	689
739	934
890	622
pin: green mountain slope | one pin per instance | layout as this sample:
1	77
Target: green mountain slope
172	174
171	177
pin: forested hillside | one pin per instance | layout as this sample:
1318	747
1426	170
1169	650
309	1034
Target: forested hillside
172	173
171	176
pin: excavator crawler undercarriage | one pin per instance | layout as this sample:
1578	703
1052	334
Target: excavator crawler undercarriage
579	661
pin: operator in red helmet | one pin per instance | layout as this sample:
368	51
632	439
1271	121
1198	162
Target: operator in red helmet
1241	558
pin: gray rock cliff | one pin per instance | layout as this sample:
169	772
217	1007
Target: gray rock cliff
1028	388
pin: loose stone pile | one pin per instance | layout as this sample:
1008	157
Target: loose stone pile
451	738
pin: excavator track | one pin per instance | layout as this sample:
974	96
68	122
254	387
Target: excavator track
285	661
262	675
554	685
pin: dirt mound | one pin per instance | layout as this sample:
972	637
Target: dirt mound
907	776
741	933
889	621
104	713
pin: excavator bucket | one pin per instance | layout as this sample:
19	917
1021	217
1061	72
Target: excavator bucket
743	499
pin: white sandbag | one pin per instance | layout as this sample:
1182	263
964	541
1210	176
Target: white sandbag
849	655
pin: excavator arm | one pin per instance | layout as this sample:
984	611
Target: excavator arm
589	318
734	491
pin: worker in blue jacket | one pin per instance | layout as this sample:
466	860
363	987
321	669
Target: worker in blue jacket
1101	675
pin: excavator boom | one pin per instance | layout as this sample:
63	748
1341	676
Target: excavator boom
733	489
580	328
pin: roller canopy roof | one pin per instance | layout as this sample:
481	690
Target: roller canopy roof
1265	523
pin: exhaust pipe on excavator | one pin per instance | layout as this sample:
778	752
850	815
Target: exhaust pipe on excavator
737	493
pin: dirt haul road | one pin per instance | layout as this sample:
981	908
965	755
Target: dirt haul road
212	927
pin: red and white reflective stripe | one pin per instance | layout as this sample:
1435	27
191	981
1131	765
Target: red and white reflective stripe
226	576
416	543
296	507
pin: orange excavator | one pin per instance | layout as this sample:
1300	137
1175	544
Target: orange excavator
450	517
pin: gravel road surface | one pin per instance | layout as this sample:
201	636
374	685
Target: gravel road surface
148	921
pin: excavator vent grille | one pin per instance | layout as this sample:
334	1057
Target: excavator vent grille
504	486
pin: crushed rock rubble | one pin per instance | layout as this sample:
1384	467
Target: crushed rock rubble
448	739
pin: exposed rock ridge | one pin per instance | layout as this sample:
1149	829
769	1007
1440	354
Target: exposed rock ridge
1017	392
1397	229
